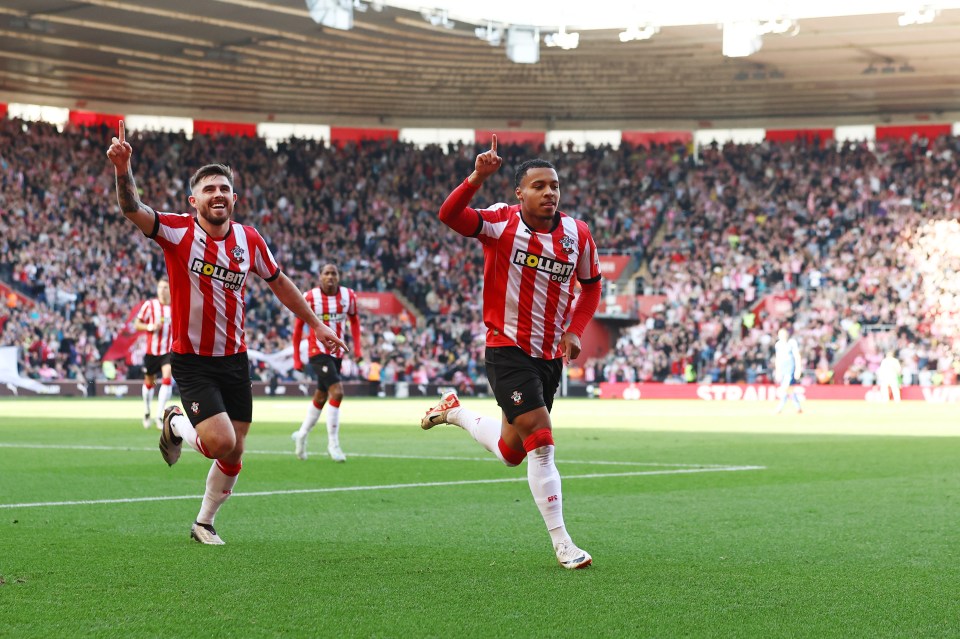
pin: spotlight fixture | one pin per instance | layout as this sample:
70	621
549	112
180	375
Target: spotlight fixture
745	37
562	39
335	14
780	26
438	18
741	39
523	44
920	15
642	32
491	33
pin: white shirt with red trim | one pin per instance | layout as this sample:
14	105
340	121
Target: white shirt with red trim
160	341
208	277
529	278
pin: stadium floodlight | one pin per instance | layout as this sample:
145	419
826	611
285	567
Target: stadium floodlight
780	26
741	39
562	39
336	14
523	45
921	15
438	18
492	34
642	32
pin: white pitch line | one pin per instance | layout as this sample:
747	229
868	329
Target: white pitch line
153	449
346	489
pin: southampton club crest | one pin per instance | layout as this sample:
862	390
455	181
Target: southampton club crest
237	254
517	398
195	408
567	244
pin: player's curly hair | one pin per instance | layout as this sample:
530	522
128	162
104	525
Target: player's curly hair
526	166
212	169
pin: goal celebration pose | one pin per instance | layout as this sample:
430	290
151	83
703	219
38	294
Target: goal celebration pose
208	259
533	257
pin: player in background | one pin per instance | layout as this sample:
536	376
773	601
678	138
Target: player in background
208	259
787	368
888	377
154	318
533	257
333	304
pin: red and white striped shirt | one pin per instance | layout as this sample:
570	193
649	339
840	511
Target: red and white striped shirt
334	311
160	340
529	278
207	280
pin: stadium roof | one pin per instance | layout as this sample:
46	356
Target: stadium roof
267	59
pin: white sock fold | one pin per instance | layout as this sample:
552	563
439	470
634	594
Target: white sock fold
166	390
485	430
333	425
313	415
544	480
219	488
183	428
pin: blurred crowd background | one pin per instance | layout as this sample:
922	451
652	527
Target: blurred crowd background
851	239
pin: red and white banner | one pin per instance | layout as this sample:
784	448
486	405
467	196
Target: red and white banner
384	304
125	341
611	266
769	392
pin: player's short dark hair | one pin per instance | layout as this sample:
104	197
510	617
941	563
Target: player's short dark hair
526	166
212	169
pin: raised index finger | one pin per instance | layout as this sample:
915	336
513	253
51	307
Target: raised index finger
122	134
493	143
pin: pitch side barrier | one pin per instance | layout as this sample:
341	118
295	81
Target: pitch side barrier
131	388
769	392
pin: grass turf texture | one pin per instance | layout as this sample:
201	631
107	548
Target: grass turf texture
837	535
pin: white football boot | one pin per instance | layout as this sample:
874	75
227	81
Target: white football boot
335	453
205	534
571	557
299	443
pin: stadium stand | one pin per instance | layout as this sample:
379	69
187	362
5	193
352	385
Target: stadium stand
832	238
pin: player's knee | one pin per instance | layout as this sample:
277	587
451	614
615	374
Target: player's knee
510	456
220	444
539	438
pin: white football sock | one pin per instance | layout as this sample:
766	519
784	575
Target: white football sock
544	480
166	390
313	415
484	429
333	425
219	487
147	394
183	428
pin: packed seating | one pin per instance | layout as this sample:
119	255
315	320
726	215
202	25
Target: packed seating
849	234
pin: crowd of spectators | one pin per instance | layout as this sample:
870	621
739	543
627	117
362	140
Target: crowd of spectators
830	240
850	236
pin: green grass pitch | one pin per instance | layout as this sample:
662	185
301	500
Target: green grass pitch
704	520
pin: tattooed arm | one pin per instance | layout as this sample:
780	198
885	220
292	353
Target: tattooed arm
127	196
